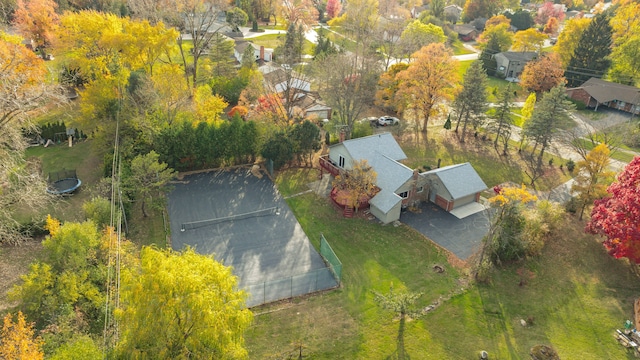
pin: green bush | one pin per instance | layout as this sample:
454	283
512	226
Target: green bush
571	165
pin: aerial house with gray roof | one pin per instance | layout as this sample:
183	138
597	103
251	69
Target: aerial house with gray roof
449	187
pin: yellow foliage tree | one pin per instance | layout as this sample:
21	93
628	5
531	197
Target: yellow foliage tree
357	184
593	176
208	107
17	340
529	40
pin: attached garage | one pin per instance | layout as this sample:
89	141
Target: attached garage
454	186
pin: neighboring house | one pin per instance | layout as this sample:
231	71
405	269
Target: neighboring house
309	106
280	81
453	186
466	32
259	52
595	92
452	13
29	44
450	187
511	63
416	10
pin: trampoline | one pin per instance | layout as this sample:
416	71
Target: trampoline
63	183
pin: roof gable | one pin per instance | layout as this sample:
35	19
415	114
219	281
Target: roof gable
385	200
460	180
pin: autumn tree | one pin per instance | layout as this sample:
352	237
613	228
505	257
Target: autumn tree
625	55
299	13
551	27
24	92
615	217
333	8
168	315
547	11
569	38
591	55
18	340
529	40
36	20
169	91
200	24
501	120
543	74
497	20
358	18
148	178
471	102
428	81
417	35
474	9
388	87
208	107
548	115
358	184
504	241
592	177
347	83
527	112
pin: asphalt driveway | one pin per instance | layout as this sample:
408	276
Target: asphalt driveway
462	237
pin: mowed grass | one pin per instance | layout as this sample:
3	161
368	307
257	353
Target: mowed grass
573	296
347	323
272	41
82	158
494	85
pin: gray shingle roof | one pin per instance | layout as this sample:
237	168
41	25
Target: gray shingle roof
364	147
605	91
519	56
460	180
385	200
382	153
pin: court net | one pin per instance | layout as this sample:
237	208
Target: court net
202	223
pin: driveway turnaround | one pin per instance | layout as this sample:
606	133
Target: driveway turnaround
245	223
462	237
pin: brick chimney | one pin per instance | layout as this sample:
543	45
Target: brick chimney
261	52
342	135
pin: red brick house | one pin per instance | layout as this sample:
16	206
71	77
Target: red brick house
597	92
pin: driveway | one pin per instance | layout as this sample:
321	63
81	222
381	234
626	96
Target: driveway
462	237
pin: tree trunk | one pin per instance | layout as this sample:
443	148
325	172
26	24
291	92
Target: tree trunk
464	126
144	210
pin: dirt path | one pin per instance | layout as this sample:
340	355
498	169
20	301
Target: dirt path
14	262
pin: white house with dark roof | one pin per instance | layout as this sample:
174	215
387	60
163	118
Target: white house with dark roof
449	187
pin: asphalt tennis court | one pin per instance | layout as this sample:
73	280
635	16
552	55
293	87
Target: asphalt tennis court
256	234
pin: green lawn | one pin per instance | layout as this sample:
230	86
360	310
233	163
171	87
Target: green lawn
619	154
459	49
274	40
573	296
339	39
494	84
87	162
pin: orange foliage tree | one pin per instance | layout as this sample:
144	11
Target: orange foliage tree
543	74
36	20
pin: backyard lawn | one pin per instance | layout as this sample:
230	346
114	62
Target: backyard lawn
572	297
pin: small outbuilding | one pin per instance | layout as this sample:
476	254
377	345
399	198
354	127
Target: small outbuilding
454	186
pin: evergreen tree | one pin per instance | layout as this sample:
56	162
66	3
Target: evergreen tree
471	103
591	56
544	122
501	120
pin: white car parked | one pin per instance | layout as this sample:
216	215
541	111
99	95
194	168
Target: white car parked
388	120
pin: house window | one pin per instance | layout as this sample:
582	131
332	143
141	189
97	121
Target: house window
420	189
341	161
404	195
